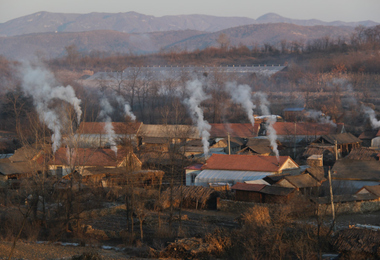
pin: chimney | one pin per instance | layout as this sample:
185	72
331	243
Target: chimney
336	150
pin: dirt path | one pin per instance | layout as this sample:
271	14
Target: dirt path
26	250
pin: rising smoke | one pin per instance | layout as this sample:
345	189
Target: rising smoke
271	119
127	108
241	94
41	85
197	95
319	117
372	117
104	115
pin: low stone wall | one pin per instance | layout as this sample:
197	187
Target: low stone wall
351	207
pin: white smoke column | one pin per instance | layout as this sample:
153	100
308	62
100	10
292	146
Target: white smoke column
39	83
271	119
127	107
104	115
241	94
197	95
320	117
372	117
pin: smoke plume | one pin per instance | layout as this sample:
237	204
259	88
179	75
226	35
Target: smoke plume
319	117
372	117
41	85
271	119
127	107
106	110
241	94
197	95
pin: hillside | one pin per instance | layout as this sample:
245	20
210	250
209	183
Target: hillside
270	33
132	22
52	45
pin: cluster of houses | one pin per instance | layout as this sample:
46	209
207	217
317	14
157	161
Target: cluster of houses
240	158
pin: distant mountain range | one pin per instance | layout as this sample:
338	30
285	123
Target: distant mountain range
132	22
51	45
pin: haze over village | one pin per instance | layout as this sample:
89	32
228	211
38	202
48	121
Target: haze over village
190	132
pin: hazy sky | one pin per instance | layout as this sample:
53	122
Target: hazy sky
326	10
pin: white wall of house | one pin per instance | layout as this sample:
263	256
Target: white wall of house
190	176
375	142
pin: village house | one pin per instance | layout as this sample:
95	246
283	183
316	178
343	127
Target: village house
343	143
258	146
191	173
294	114
293	133
66	161
375	142
261	193
361	167
162	137
240	168
94	134
367	136
24	163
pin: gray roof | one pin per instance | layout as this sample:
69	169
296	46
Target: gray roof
317	172
169	131
259	145
364	154
301	181
356	170
344	138
7	167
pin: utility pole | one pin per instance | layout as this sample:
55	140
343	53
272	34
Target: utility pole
332	200
229	143
336	150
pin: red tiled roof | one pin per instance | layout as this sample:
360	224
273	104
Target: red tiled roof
248	187
119	127
291	128
88	157
378	133
235	130
245	163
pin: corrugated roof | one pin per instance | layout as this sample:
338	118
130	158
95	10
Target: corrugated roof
248	187
88	157
304	128
301	181
246	163
344	138
317	172
235	130
170	131
356	170
120	128
259	145
7	167
212	176
368	134
317	150
364	154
